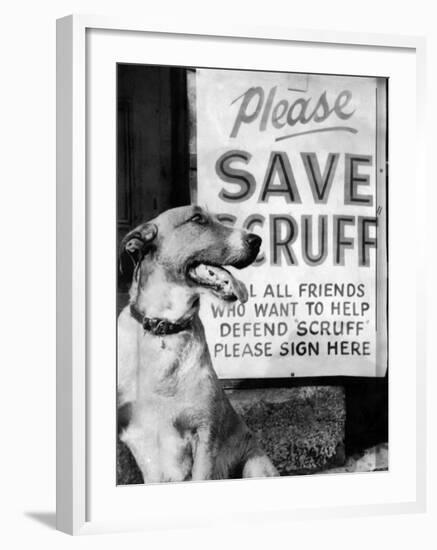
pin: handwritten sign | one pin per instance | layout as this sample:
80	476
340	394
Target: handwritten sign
300	160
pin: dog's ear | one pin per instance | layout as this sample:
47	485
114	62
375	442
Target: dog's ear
139	239
134	246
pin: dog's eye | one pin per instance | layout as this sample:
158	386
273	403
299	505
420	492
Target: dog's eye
198	218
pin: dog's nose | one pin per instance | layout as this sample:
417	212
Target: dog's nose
254	241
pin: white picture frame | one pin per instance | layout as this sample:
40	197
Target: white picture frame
74	464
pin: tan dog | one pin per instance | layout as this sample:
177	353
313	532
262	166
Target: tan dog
182	425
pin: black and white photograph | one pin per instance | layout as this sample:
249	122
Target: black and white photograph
252	274
218	246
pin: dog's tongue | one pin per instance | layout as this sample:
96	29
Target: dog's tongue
221	282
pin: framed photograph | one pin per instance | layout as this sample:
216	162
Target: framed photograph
240	275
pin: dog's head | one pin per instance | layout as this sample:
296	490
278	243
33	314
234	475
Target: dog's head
191	246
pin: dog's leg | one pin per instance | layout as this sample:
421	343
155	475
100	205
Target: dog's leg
203	465
259	465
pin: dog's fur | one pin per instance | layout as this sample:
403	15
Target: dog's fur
181	425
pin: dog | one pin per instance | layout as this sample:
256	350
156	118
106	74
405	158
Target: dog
181	424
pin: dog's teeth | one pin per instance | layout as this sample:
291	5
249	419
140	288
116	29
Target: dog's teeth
221	281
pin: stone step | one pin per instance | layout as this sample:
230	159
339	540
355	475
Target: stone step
302	429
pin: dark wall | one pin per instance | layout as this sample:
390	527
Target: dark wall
152	142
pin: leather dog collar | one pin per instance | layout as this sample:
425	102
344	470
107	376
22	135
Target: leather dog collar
159	327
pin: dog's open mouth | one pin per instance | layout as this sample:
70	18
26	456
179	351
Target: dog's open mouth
220	281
